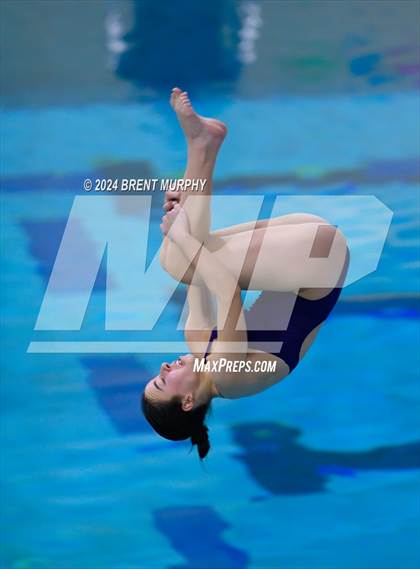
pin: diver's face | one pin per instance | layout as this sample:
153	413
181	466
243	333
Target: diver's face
174	379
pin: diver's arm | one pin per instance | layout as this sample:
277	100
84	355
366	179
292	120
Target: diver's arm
217	278
196	206
172	259
224	287
201	318
201	313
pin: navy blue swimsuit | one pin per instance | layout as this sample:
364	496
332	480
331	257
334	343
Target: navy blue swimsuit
269	313
268	321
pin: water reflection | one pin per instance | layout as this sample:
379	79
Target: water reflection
166	48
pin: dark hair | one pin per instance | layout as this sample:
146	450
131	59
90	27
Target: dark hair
170	421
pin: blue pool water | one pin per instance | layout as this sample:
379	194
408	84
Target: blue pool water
321	471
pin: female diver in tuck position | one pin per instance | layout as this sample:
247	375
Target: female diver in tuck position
299	261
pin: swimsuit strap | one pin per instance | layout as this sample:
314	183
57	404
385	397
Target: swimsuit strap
213	336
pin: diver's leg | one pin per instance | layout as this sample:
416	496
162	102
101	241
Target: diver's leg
283	257
204	138
253	232
288	219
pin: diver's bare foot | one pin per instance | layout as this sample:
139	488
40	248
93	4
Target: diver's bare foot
200	132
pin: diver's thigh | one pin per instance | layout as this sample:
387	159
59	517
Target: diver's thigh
288	219
280	257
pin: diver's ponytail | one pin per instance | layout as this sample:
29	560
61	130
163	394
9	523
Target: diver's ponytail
200	438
